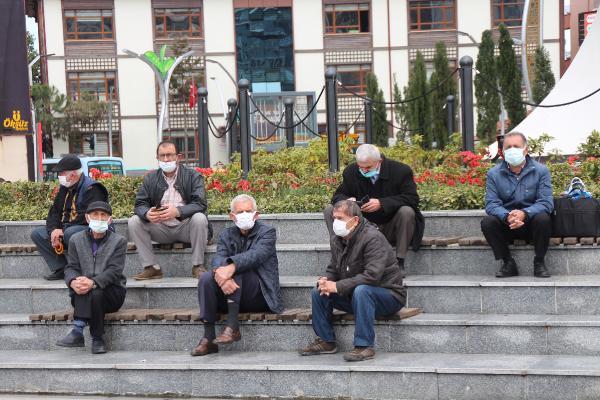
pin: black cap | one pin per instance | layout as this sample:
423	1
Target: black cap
69	162
99	205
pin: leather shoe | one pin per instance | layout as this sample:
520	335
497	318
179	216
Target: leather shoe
98	346
509	268
57	275
204	347
540	270
73	339
228	336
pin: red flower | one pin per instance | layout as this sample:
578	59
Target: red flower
205	171
243	185
295	185
450	182
591	158
571	160
95	173
216	185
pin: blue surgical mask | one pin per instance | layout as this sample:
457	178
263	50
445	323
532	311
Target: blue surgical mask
98	226
514	156
370	174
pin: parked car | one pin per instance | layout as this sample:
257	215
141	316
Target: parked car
113	165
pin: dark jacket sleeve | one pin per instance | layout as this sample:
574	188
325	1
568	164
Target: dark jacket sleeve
407	190
258	254
222	255
114	267
73	268
344	191
375	263
143	200
53	220
197	197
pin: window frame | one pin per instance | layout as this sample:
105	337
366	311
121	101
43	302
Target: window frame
166	34
362	70
77	34
333	11
106	84
502	20
419	26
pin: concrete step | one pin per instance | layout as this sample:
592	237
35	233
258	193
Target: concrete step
291	228
566	294
424	333
294	259
285	375
312	259
38	295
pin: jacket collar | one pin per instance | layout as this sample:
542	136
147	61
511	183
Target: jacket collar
253	232
384	172
345	242
529	167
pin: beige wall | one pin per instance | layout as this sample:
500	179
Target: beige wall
13	158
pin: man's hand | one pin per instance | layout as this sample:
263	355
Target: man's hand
153	216
82	285
55	236
321	280
372	206
224	273
327	287
168	213
229	287
516	219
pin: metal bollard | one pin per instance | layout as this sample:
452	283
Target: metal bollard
233	140
332	123
246	161
204	153
466	104
368	122
289	121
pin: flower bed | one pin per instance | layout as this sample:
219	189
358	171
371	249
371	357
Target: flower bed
297	180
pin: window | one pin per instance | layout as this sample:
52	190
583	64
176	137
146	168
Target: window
507	12
354	77
88	24
96	83
169	22
109	166
427	15
347	18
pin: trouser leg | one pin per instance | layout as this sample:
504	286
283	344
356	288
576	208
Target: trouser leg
41	239
211	299
143	233
194	230
400	229
498	236
322	313
540	231
93	306
367	303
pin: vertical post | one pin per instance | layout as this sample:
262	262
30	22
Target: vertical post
110	111
231	109
450	115
289	121
368	122
95	145
466	104
332	123
204	155
243	86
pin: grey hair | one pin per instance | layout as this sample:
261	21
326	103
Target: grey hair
79	171
348	207
513	134
367	152
242	198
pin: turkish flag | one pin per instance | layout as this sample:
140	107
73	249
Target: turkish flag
193	94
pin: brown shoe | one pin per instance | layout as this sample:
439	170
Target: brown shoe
197	270
149	272
319	346
228	336
360	354
204	347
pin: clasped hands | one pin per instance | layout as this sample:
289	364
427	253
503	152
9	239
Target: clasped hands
156	216
82	285
326	287
516	219
223	276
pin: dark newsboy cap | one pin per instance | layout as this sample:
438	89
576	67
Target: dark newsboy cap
99	205
69	162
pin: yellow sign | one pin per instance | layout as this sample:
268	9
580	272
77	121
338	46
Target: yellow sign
16	122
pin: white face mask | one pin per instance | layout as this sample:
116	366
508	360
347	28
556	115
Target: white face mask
339	228
245	220
62	179
98	226
514	156
168	166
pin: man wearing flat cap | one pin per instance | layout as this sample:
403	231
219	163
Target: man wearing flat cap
94	275
67	214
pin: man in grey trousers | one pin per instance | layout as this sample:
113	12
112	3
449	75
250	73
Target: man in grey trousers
170	206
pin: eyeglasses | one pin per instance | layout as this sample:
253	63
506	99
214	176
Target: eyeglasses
169	156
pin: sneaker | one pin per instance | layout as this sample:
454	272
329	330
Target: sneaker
509	268
197	270
319	346
360	354
149	273
73	339
540	270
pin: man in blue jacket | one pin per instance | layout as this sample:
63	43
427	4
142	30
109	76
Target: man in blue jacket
244	276
518	202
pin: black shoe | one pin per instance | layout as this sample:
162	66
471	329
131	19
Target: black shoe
73	339
57	275
509	268
98	346
540	270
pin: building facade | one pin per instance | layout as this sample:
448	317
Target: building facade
577	18
279	45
